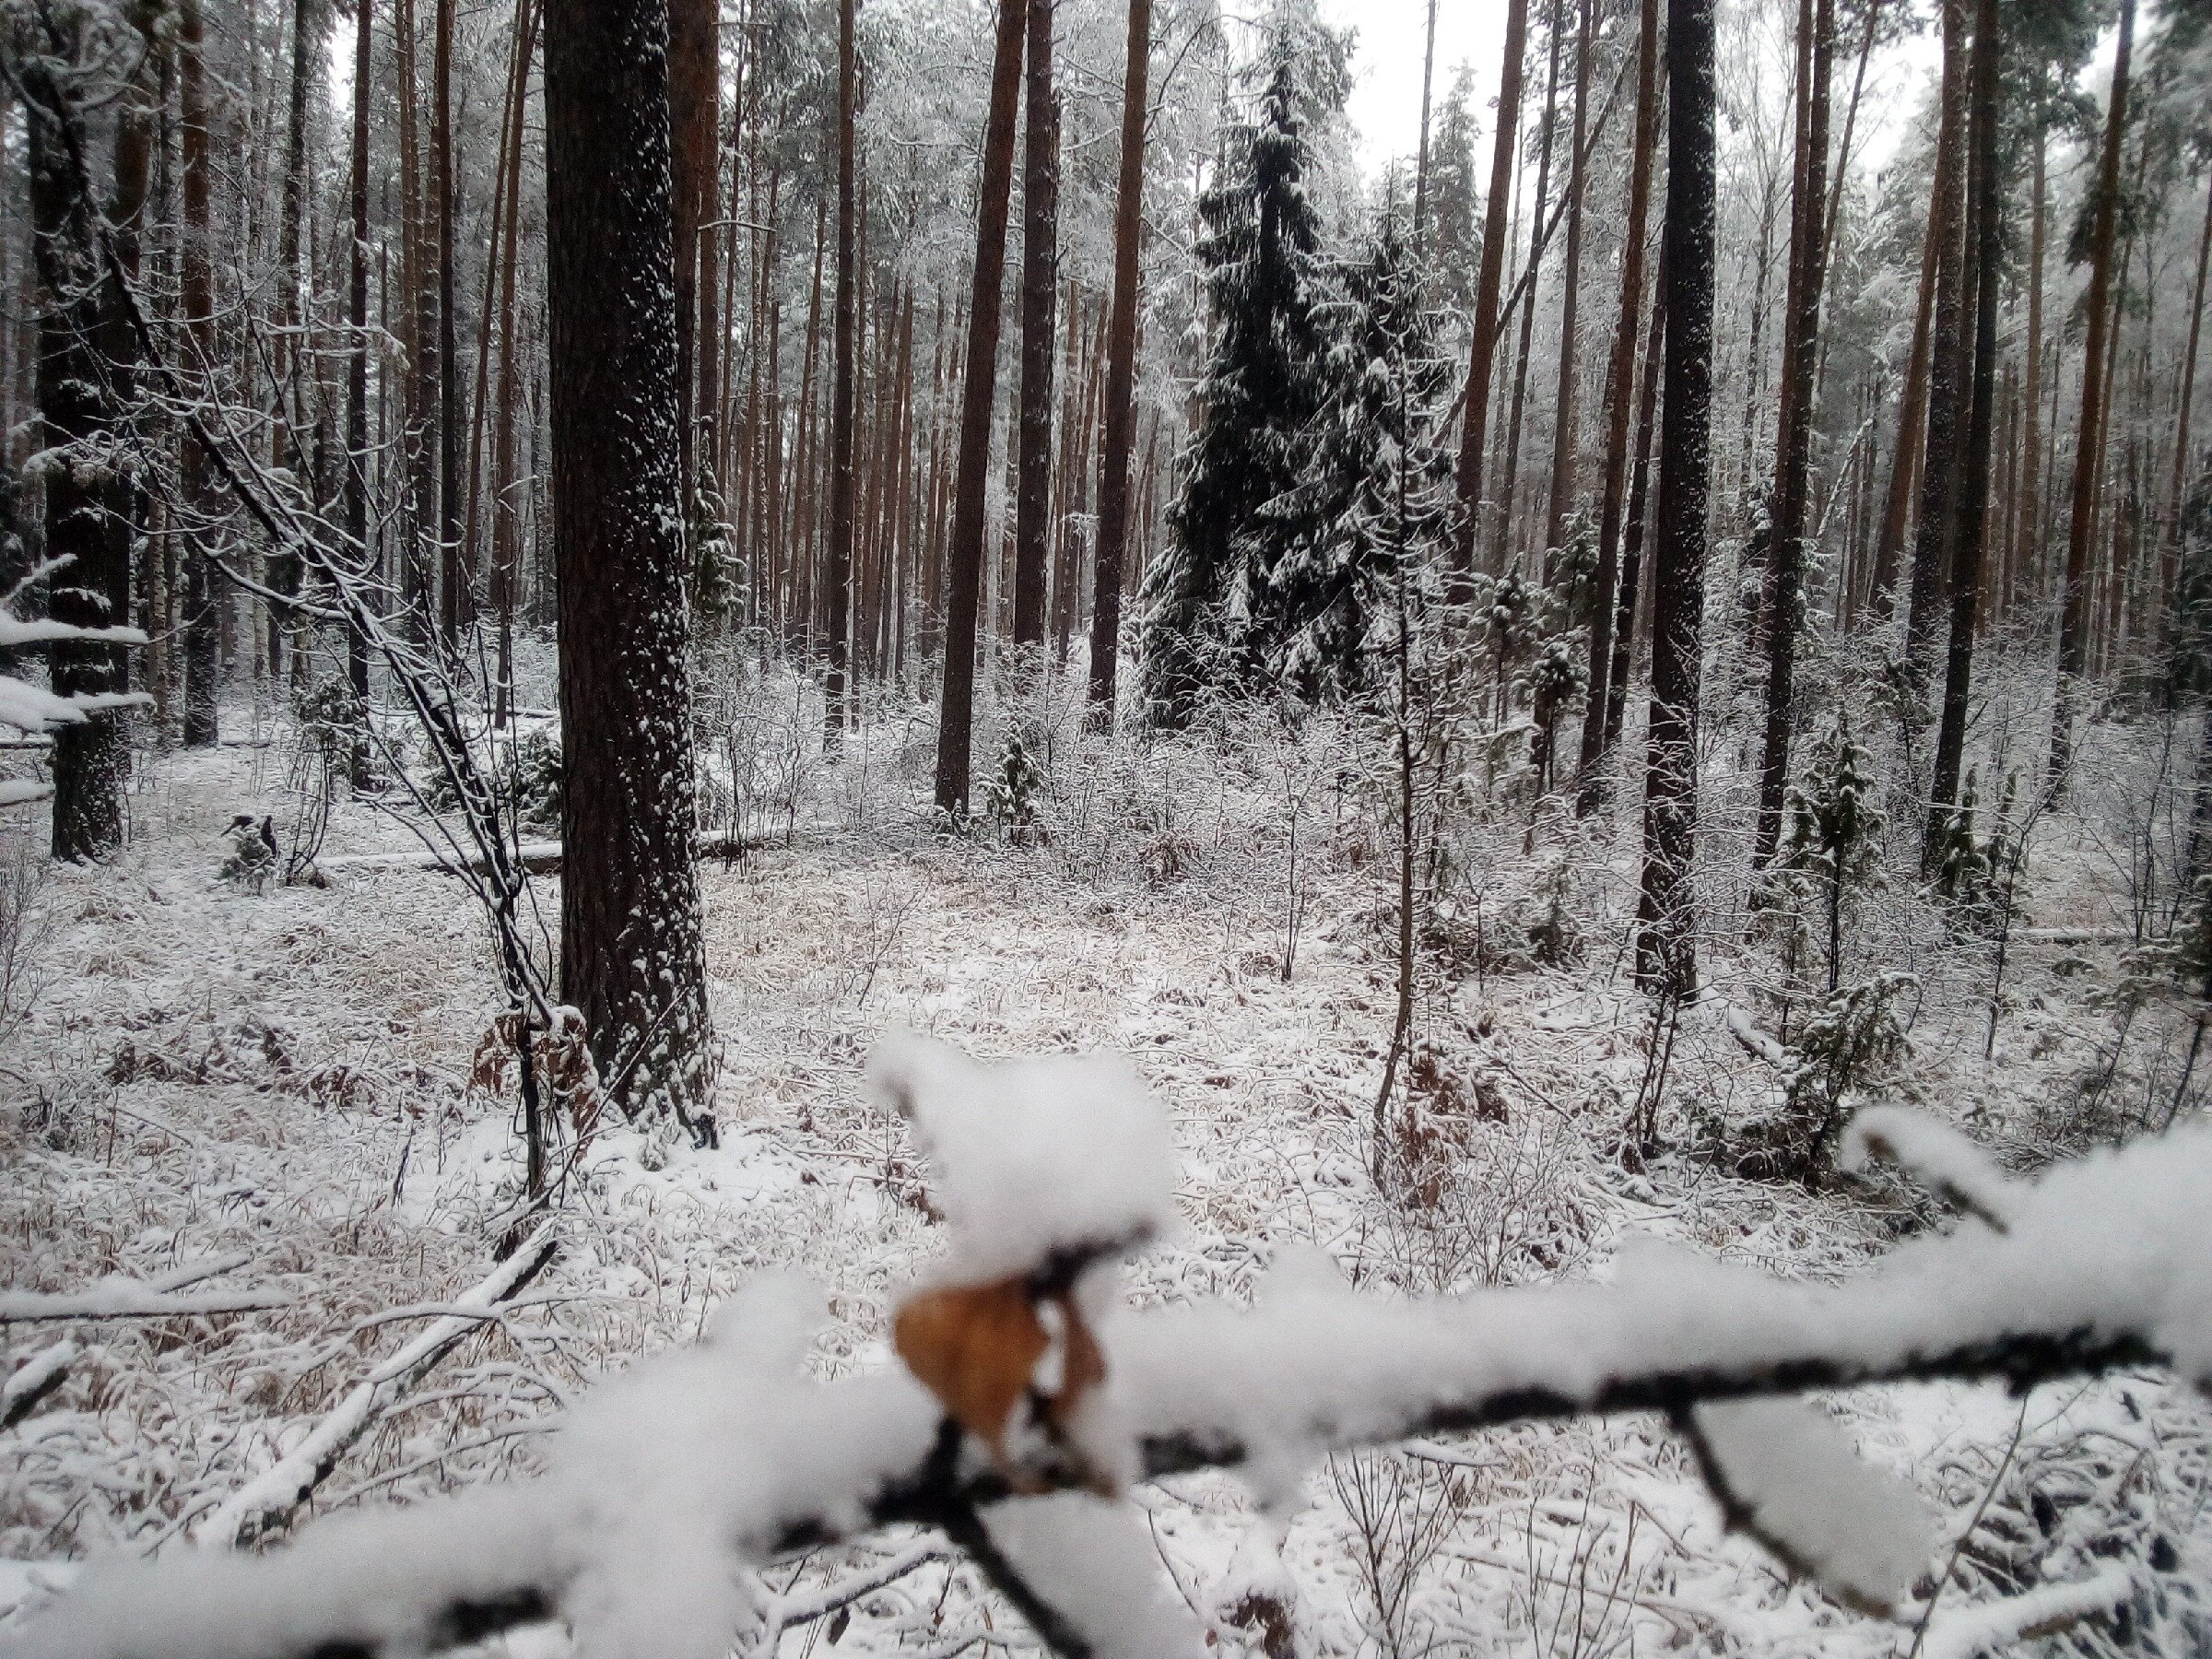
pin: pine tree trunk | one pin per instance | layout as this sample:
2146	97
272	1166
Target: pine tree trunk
956	718
1566	425
2028	550
695	125
1620	390
356	490
1794	431
1039	293
203	622
2089	437
1934	535
1984	258
1665	950
2171	538
292	282
1632	536
844	308
631	952
1115	452
455	605
1539	239
1482	354
91	586
1912	412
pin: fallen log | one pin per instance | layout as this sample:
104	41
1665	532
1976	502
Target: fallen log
538	857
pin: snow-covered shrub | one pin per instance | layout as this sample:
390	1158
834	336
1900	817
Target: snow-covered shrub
254	859
1852	1042
1013	794
526	769
24	928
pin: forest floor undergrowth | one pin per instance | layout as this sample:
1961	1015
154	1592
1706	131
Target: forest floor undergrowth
282	1077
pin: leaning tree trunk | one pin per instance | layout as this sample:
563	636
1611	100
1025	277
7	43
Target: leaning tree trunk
1039	289
203	620
2088	432
1120	379
1793	438
956	716
1620	388
1665	955
1984	258
631	952
844	308
1489	277
91	588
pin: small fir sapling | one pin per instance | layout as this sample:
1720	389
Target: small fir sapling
1013	795
1835	829
717	573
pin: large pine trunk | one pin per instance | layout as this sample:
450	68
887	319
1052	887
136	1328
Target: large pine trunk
1116	448
955	719
1039	292
91	588
1666	952
1794	435
2089	433
631	952
1489	277
1984	257
1620	390
455	599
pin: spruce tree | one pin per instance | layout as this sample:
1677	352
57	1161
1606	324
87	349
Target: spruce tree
1375	486
1263	385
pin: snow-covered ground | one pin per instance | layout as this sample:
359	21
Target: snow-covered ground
276	1082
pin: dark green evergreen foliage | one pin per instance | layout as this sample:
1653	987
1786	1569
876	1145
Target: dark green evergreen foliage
1013	794
1376	484
1454	228
1263	384
1834	826
717	579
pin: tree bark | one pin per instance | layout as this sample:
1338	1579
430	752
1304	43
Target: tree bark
956	716
1039	293
630	953
1666	952
844	313
1489	277
2171	539
1566	425
203	622
1632	536
1934	535
1985	256
1620	390
1115	452
455	602
2027	550
1794	433
91	588
355	493
2089	437
695	123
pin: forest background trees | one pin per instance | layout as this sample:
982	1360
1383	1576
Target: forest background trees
1721	376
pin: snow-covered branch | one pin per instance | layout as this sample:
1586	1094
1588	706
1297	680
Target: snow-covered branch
125	1299
726	1448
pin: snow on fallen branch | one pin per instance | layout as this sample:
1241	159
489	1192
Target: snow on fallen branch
727	1452
126	1298
33	1379
2043	1611
268	1501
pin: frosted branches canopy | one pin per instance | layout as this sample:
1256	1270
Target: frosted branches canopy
727	1451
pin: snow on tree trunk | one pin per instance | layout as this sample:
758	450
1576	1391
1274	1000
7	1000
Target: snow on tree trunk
1665	955
630	953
